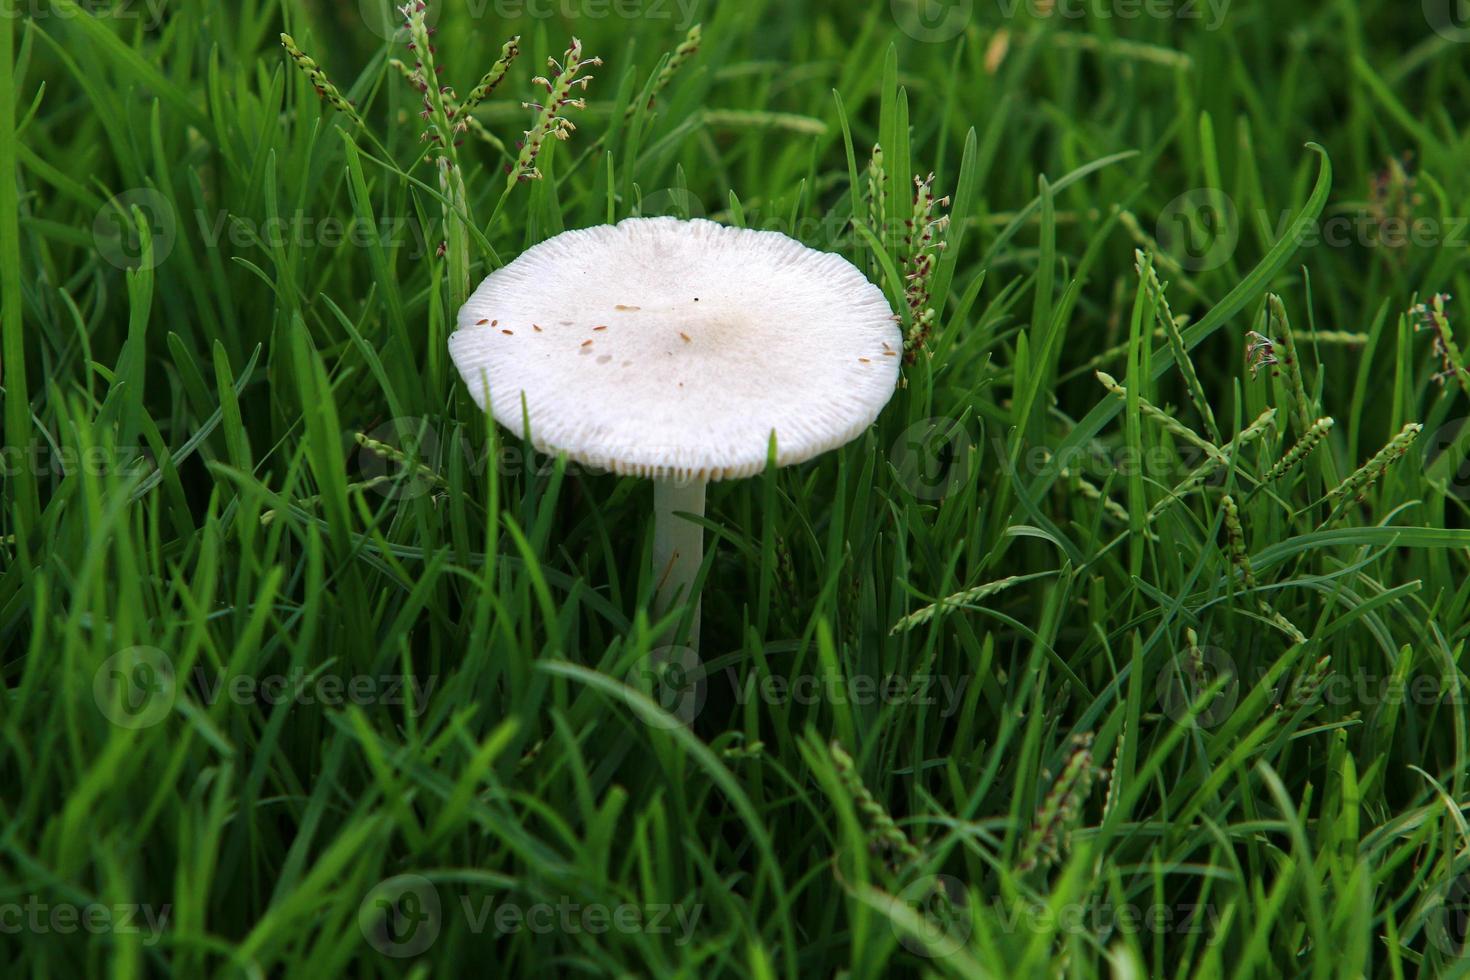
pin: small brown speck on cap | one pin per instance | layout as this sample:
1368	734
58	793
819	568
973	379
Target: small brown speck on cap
627	309
586	343
494	323
481	323
603	327
865	360
686	337
508	333
536	327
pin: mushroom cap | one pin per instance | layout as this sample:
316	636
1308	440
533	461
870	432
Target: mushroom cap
674	349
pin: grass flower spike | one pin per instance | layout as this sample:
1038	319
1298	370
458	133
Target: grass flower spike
549	121
1303	448
925	242
319	80
1061	809
508	54
686	50
1355	487
1431	316
877	202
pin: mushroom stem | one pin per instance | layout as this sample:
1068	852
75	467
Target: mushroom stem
678	547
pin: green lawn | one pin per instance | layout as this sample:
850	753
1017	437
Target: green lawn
306	670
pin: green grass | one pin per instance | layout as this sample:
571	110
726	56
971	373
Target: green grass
1008	687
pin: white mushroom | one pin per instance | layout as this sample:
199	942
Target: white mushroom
674	350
